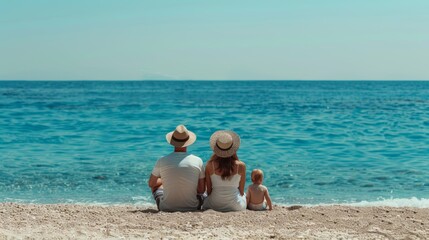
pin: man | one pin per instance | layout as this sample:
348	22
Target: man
178	178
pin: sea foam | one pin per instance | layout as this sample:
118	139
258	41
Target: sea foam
395	202
381	202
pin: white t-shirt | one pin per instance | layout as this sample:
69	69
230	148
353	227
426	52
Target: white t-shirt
179	172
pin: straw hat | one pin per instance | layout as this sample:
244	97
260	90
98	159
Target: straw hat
181	137
224	143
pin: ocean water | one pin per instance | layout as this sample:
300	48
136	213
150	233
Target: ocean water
318	142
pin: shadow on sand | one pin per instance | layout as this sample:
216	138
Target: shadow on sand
145	211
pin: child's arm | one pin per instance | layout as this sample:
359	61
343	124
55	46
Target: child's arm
268	198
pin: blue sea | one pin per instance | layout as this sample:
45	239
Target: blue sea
318	142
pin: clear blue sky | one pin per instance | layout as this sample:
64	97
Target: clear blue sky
181	39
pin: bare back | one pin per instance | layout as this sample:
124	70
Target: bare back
239	168
256	193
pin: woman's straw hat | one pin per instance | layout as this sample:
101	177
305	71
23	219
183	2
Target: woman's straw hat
181	137
224	143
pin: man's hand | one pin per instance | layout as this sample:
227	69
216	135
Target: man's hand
154	182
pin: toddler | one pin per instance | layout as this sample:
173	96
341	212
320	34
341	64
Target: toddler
257	194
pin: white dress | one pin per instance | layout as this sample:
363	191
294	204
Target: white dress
225	195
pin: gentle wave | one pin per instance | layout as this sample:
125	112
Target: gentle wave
140	201
143	202
392	202
398	202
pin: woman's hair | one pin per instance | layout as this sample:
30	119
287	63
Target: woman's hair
225	165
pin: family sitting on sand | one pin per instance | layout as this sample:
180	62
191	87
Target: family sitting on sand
179	183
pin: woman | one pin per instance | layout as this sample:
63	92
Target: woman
225	174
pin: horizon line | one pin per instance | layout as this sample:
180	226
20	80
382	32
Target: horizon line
203	80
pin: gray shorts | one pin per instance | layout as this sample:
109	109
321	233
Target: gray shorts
159	193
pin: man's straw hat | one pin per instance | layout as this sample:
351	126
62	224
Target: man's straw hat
181	137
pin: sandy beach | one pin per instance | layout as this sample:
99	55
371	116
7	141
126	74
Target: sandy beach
32	221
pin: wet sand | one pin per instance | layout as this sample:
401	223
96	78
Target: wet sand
113	222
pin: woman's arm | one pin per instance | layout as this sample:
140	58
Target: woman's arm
208	179
201	186
242	172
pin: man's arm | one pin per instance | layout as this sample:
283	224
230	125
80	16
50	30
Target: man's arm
201	188
154	182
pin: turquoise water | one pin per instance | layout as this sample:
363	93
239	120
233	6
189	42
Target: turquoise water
317	142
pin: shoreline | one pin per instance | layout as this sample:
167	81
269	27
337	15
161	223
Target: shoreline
76	221
412	202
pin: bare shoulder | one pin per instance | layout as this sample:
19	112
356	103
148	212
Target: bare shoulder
265	189
241	167
240	163
209	165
